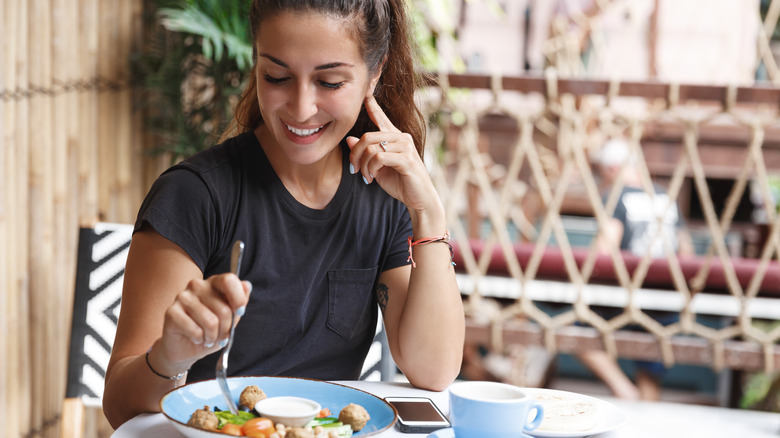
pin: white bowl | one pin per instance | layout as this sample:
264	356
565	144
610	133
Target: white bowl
290	411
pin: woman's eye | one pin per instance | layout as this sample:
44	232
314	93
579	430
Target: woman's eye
333	85
273	80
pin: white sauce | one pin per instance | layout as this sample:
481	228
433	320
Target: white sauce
283	406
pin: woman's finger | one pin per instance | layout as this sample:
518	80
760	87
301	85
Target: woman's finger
185	325
378	116
232	289
195	310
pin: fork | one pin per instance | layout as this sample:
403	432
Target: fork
222	363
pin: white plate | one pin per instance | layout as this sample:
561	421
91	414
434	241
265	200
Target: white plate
609	416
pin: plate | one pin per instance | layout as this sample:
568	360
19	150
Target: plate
609	416
178	404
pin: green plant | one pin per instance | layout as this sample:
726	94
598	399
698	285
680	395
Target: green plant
197	55
761	390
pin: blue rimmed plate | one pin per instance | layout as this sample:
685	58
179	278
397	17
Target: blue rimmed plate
179	404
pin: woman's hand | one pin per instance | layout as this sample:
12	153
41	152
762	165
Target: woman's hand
198	321
389	156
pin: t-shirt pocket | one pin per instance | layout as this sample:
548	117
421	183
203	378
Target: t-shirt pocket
350	293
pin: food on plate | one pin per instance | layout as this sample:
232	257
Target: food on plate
354	415
250	396
290	411
204	419
232	429
258	428
251	424
299	432
567	412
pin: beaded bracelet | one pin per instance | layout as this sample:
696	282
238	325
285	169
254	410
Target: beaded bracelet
445	239
175	378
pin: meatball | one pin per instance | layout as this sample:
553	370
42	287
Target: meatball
299	432
250	396
204	419
354	415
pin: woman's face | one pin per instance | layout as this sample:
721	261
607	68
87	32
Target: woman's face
311	83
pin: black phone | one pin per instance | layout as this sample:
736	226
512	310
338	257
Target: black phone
417	414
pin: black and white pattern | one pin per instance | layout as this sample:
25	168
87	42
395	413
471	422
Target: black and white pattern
102	253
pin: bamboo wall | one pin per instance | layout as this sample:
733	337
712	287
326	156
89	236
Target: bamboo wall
71	153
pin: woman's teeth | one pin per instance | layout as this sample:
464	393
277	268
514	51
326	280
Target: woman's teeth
303	132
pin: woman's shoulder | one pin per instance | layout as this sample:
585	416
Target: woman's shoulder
233	152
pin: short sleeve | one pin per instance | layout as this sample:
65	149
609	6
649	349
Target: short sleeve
398	253
180	208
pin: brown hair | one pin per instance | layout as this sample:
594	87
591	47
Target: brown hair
382	30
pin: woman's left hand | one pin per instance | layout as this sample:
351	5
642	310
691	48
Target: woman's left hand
389	156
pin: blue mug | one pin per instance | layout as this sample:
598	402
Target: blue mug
491	409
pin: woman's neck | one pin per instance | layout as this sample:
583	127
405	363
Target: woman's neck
313	185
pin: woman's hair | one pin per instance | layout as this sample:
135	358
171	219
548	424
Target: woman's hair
382	31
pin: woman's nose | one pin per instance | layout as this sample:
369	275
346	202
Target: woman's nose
303	104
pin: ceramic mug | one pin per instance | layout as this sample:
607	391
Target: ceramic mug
491	409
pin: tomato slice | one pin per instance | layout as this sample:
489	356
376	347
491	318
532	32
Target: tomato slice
258	428
232	429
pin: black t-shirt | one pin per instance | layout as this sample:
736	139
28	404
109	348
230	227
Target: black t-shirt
312	312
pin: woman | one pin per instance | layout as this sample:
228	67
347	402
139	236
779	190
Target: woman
324	182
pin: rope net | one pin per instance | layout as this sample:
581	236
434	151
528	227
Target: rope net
513	192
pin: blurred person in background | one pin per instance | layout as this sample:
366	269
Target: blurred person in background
633	228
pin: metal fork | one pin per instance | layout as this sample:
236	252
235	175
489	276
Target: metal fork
222	363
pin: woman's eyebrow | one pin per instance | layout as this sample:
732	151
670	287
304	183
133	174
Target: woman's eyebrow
319	67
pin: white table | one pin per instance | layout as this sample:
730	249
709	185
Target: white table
645	419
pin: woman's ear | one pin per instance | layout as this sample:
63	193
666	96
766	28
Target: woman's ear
372	85
375	79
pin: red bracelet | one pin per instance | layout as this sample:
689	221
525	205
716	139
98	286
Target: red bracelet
445	239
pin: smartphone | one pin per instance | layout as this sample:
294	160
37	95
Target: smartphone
417	415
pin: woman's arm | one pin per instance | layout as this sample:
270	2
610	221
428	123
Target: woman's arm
424	311
423	314
166	305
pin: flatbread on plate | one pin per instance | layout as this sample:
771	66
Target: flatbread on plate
566	412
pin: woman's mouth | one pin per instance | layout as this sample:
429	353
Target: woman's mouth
304	136
303	132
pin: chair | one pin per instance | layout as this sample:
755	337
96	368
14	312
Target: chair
379	364
102	252
100	268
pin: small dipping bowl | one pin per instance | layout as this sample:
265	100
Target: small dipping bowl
290	411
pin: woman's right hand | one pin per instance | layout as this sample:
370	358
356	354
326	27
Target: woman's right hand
198	322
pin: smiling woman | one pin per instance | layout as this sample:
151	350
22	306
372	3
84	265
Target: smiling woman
330	96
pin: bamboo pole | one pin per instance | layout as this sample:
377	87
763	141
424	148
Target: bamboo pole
65	116
125	164
137	178
11	425
5	207
40	214
88	102
107	104
19	383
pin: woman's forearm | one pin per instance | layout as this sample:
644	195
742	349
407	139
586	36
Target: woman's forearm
132	389
432	326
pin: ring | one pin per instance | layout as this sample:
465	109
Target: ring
382	145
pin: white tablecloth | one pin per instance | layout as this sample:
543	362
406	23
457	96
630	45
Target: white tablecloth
645	419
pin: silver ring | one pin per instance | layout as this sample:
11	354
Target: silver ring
382	145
